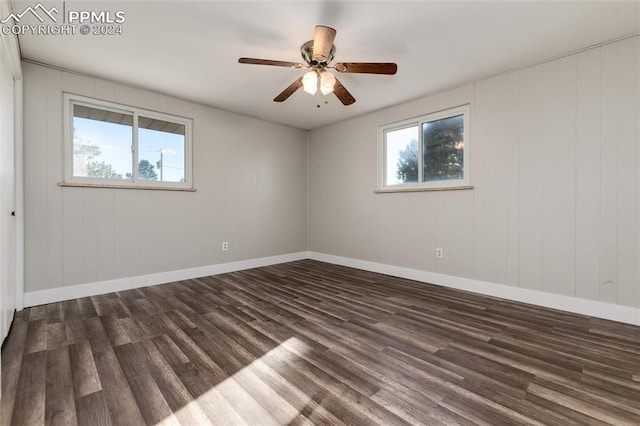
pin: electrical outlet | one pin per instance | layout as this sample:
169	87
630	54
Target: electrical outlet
225	245
439	253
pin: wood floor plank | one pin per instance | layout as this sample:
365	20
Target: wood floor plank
38	313
623	408
206	396
12	356
312	343
578	405
60	407
115	330
92	410
120	401
36	336
55	313
75	330
56	336
86	307
177	396
70	309
408	410
83	368
29	408
169	350
134	360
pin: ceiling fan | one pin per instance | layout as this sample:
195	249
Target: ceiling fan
317	54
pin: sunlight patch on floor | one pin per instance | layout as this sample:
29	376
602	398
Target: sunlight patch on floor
249	396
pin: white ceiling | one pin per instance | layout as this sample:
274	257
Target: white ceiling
190	49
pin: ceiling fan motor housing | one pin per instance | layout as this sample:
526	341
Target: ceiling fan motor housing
307	54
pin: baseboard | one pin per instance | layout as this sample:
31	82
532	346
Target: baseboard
59	294
592	308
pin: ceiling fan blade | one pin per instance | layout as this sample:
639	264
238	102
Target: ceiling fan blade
343	94
322	42
367	67
284	95
255	61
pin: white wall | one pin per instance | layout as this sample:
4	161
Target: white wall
555	204
251	185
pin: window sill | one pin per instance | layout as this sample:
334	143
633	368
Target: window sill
418	189
98	185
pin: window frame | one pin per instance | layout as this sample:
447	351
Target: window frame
70	99
465	111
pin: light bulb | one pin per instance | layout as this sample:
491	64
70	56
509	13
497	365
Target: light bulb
310	82
327	82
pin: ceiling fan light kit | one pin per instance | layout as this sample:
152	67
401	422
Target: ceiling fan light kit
327	82
318	54
311	79
310	82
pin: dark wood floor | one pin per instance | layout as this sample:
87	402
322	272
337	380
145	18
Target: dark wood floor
308	342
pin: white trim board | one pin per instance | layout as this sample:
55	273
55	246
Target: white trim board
592	308
625	314
41	297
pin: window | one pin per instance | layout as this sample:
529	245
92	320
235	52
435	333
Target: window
429	152
107	144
